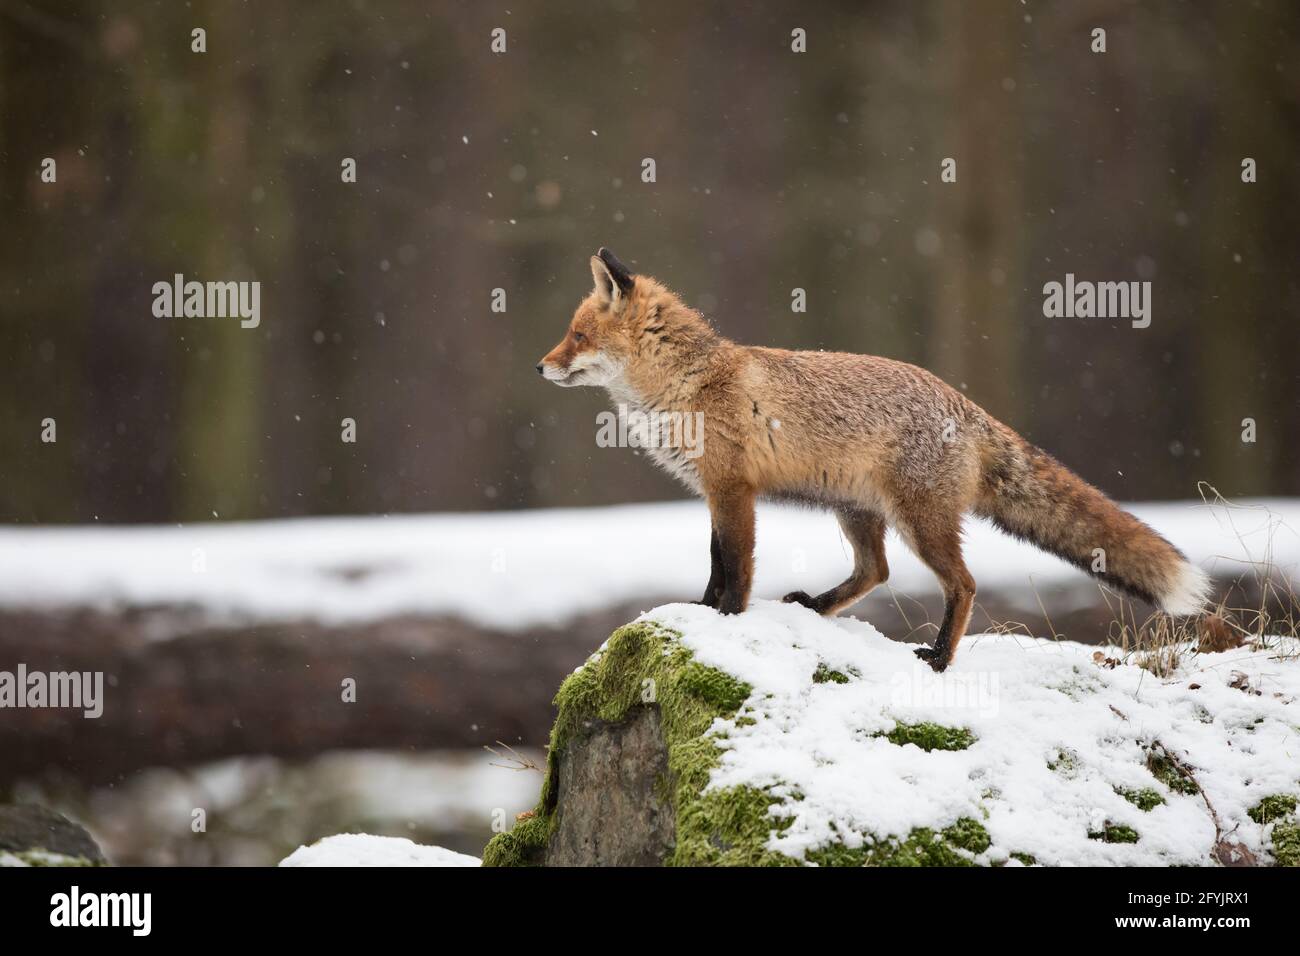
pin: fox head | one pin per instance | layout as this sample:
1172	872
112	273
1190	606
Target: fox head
602	337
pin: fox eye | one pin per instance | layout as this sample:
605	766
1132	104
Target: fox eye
579	337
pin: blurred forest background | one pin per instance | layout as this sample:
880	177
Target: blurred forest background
477	171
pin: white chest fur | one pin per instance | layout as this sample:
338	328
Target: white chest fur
672	439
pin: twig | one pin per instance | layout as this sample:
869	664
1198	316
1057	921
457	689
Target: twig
514	760
1186	772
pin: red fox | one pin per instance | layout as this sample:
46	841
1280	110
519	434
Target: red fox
879	442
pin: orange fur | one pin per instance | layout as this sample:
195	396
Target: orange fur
877	441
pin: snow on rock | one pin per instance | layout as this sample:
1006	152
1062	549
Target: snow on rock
361	849
1056	735
525	568
1039	751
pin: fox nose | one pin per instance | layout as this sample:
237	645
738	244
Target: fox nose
540	370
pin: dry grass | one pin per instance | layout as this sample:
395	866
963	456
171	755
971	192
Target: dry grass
512	759
1256	609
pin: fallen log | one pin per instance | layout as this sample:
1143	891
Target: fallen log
203	692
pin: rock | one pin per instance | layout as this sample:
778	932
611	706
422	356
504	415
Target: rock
780	738
32	835
616	809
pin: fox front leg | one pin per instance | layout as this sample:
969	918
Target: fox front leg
732	511
717	578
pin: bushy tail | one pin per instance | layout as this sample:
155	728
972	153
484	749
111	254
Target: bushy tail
1030	495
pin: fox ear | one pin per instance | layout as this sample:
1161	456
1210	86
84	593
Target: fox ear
613	280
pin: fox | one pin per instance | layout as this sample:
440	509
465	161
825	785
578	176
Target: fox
880	443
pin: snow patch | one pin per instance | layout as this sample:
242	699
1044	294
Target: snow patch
361	849
520	569
1057	735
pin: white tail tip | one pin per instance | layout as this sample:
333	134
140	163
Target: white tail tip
1190	591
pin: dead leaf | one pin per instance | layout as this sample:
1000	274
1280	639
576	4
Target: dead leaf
1214	633
1227	853
1241	682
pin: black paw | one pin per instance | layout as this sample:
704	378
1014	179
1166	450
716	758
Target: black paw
931	657
729	603
711	597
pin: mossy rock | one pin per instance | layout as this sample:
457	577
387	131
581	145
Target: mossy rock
32	835
778	738
629	763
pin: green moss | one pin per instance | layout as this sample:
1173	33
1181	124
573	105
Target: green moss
1164	770
1286	843
930	736
1066	763
1279	809
922	847
522	846
1114	833
968	834
1028	859
1275	807
711	685
729	827
35	857
825	675
1145	799
843	856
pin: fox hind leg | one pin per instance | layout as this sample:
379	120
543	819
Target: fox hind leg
866	533
939	546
